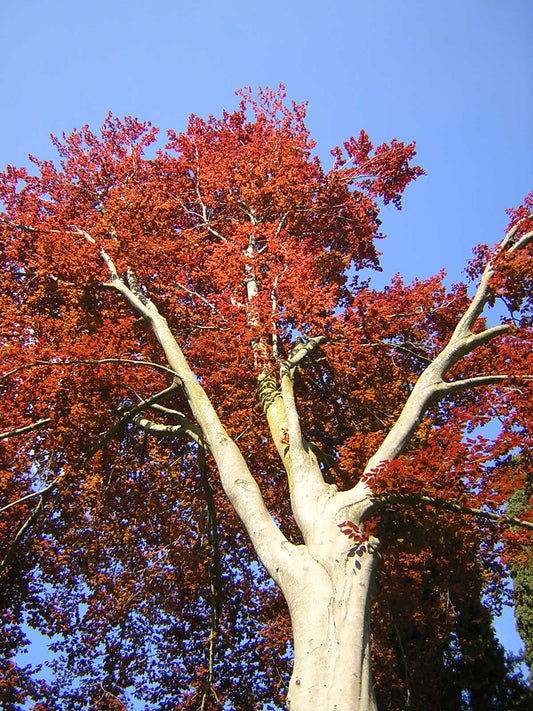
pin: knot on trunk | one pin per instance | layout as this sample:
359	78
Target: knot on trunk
135	287
268	390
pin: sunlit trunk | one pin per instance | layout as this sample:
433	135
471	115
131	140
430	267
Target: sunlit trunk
331	626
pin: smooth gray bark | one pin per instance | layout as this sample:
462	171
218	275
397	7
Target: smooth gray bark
330	612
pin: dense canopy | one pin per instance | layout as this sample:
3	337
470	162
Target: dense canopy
118	541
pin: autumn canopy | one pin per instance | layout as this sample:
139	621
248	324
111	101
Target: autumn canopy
190	343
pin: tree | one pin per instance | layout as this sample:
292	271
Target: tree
521	569
433	642
189	348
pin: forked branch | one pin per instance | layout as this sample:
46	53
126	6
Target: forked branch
131	414
184	429
237	481
431	385
43	495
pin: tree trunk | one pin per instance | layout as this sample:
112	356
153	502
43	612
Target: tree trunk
330	604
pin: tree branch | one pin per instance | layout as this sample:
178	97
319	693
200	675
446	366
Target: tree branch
302	350
47	489
291	414
521	241
238	483
454	386
479	339
27	428
130	414
466	323
106	437
202	298
102	361
214	569
431	385
306	481
416	499
44	495
161	430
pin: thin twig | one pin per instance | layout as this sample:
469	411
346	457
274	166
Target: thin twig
206	301
215	572
22	531
102	361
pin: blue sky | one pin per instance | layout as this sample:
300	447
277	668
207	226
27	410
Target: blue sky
455	76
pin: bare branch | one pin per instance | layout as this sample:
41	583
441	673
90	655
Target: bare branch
402	348
274	313
43	497
130	414
214	570
102	361
466	323
454	386
132	293
202	298
135	287
431	385
186	429
291	413
23	430
282	221
305	478
83	234
47	489
302	350
167	411
522	242
306	481
204	215
109	264
236	478
22	228
479	339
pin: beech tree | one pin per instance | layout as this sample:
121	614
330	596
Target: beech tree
196	377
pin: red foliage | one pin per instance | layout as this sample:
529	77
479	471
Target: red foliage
118	568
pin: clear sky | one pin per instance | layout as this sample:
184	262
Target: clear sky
455	76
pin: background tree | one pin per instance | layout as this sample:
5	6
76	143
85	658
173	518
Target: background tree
521	569
433	638
322	414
